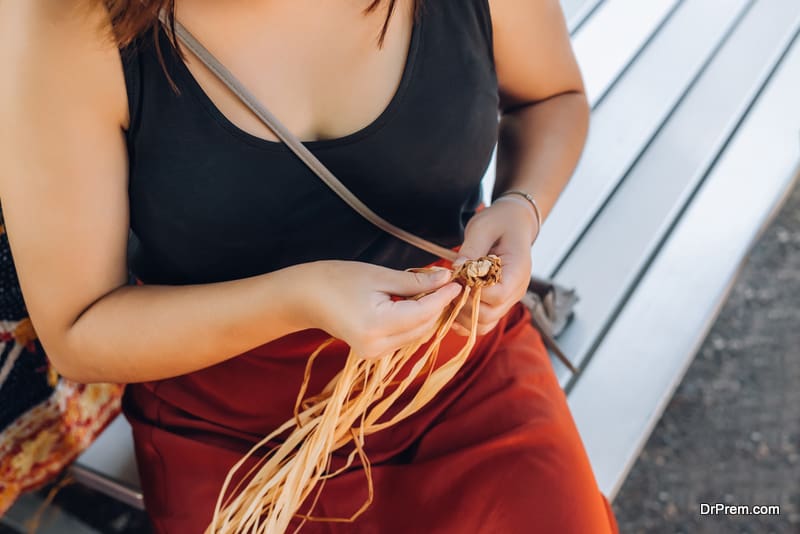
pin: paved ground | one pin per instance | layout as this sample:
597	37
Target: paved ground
731	433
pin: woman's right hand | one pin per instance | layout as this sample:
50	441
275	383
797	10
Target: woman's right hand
352	301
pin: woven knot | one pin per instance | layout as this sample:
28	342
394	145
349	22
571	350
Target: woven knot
481	272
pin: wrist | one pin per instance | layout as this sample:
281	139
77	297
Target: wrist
295	284
523	206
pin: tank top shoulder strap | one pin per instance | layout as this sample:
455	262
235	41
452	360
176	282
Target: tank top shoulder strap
471	19
467	21
483	18
131	67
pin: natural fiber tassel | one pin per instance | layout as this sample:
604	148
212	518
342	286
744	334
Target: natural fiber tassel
347	410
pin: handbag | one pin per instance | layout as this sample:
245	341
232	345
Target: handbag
551	304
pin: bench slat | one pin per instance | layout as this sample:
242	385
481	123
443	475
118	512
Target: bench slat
625	122
610	40
616	249
607	40
109	465
633	374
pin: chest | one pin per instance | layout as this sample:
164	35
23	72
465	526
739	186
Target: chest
211	200
315	64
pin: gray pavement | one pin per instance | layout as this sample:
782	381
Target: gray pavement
731	433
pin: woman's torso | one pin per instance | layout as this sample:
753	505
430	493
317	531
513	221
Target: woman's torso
210	202
213	201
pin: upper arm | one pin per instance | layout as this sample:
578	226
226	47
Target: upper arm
533	55
63	160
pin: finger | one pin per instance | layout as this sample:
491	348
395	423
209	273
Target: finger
422	332
390	343
498	294
484	329
464	318
408	314
409	284
460	330
478	242
516	274
487	316
480	328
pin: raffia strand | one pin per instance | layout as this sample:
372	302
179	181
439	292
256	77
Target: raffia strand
353	405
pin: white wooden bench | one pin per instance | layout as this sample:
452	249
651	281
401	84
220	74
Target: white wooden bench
694	141
692	148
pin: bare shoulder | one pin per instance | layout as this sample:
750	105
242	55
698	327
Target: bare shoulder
533	52
60	51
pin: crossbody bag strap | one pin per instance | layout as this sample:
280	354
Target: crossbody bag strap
300	150
305	155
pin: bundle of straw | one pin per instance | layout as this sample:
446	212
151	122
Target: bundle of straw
348	409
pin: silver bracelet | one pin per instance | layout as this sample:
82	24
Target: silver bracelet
530	199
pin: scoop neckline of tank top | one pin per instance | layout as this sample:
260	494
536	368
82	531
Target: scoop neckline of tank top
259	142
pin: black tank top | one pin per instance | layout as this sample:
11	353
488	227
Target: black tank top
210	202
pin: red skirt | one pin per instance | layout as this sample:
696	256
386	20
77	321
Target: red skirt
495	451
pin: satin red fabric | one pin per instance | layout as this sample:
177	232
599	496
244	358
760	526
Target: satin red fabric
496	451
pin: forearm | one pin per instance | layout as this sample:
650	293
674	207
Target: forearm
151	332
539	147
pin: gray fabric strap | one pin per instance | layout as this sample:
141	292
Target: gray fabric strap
539	314
300	150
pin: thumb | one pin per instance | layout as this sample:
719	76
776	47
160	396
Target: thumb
477	243
409	283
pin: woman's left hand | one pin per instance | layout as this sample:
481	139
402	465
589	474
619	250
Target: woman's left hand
507	229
